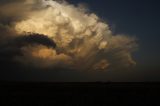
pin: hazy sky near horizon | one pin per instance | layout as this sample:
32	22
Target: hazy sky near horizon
135	18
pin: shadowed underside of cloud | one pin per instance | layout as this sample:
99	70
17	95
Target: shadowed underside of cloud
30	39
13	47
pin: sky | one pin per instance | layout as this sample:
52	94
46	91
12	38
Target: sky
134	18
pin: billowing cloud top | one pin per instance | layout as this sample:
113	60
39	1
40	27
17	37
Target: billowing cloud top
83	41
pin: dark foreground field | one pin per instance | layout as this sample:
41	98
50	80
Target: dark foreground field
79	94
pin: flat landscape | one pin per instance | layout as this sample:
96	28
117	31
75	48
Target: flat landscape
78	93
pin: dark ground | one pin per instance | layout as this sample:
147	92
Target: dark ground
79	94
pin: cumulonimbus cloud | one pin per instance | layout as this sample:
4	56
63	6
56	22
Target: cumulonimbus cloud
83	41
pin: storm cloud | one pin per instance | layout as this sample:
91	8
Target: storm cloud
49	34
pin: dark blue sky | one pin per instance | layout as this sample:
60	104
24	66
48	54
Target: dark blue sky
139	18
